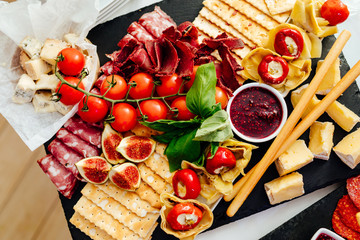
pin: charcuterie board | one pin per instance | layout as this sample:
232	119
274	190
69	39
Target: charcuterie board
316	175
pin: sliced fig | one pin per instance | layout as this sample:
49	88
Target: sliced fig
136	148
110	139
126	176
94	169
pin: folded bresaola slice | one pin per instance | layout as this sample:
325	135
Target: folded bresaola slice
62	178
156	22
139	32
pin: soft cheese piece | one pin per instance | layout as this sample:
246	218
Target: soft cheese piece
348	149
24	90
47	82
62	108
71	38
297	156
295	98
31	46
331	78
42	102
23	58
285	188
51	49
321	139
36	67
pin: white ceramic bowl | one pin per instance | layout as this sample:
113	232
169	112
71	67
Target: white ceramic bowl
283	106
327	232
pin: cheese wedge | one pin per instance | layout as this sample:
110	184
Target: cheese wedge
36	67
51	49
297	156
42	102
47	82
331	78
295	98
285	188
348	149
24	90
31	46
23	58
321	139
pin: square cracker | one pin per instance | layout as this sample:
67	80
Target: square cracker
141	226
154	180
279	6
261	5
148	194
160	165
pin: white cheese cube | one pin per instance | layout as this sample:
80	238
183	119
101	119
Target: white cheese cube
36	67
331	78
321	139
343	116
42	102
51	49
285	188
294	158
24	90
71	38
348	149
62	108
23	59
31	46
47	82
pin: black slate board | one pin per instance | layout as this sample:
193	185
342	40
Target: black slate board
305	224
317	175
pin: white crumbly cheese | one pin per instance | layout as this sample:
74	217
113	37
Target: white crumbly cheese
36	67
42	102
31	46
285	188
185	219
62	108
71	38
275	69
291	45
348	149
23	58
24	90
51	49
294	158
321	139
47	82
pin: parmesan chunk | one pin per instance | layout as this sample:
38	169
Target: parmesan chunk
348	149
36	67
51	49
42	102
47	82
31	46
321	139
24	90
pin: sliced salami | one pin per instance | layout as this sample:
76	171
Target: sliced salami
66	156
353	188
341	229
81	129
76	143
62	178
347	211
139	32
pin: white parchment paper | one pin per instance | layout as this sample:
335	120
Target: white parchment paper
51	19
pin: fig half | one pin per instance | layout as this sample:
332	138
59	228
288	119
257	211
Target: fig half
136	148
126	176
110	139
94	169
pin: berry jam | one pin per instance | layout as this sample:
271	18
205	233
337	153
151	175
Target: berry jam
324	236
256	112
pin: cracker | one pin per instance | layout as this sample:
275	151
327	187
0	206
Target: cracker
148	194
261	5
160	165
130	200
89	228
141	130
160	148
101	219
279	6
253	13
250	29
154	180
141	226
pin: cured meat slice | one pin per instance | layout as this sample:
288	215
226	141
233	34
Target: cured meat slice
76	143
62	178
347	211
139	32
81	129
341	229
154	50
186	56
353	188
125	40
170	59
187	29
156	22
66	156
141	58
231	43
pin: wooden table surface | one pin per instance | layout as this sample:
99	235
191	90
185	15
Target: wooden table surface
29	203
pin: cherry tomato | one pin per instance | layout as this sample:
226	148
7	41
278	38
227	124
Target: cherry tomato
73	61
125	117
221	97
184	216
183	111
169	86
144	85
118	91
223	160
69	95
154	109
335	11
192	78
98	109
186	184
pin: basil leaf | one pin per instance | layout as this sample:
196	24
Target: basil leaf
216	128
165	125
183	148
201	96
168	136
214	146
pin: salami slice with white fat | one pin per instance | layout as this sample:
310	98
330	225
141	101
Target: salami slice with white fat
353	188
139	32
62	178
85	132
66	156
76	143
